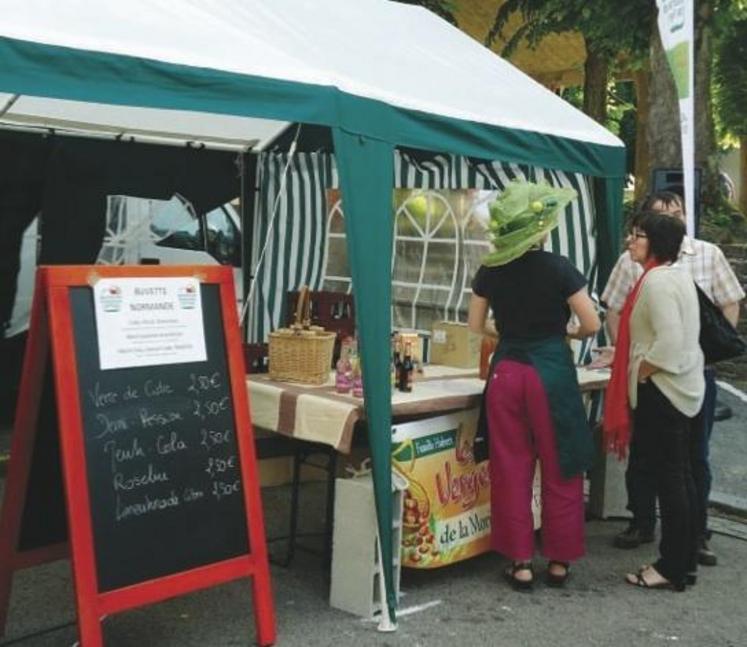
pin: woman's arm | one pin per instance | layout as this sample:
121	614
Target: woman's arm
613	324
588	320
731	312
477	317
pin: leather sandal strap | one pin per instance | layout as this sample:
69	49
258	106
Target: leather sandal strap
522	566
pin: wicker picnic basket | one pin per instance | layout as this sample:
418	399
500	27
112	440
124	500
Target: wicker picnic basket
301	353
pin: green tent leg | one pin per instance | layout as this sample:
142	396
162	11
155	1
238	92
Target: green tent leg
366	168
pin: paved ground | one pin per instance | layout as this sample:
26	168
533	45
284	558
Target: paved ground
729	452
465	604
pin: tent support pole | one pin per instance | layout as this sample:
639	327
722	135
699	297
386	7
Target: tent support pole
366	169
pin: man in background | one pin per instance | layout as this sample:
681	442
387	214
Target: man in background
711	271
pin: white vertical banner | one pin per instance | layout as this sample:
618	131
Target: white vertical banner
676	26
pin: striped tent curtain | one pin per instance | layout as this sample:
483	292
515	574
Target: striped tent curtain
288	233
575	236
291	211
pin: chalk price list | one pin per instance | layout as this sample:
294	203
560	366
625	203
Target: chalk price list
167	445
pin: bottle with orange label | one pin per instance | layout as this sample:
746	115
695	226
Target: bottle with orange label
487	348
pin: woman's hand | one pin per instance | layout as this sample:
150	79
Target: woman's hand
604	357
645	370
571	330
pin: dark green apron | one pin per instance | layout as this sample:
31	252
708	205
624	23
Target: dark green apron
552	359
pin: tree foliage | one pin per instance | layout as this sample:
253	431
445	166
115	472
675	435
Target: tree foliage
730	77
443	8
609	27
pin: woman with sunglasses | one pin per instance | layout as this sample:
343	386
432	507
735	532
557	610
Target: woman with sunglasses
656	388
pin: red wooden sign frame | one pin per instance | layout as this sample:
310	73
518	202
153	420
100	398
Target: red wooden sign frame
51	321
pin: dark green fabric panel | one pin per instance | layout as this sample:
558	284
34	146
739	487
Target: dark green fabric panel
366	169
53	71
609	201
446	134
62	72
553	360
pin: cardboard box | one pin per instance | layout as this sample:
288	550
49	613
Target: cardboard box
452	344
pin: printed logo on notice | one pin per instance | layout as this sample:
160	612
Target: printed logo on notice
111	299
187	296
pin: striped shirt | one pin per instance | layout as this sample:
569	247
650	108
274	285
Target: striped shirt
705	262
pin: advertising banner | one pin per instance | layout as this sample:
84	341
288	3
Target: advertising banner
676	26
447	501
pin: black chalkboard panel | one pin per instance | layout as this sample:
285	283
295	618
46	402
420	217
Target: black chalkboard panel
162	458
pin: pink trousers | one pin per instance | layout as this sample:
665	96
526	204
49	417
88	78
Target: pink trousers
521	430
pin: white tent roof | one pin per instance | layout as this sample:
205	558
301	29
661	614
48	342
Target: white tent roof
398	54
169	127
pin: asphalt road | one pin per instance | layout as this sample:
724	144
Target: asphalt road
465	604
729	452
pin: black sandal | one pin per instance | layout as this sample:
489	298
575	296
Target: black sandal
555	580
637	579
519	585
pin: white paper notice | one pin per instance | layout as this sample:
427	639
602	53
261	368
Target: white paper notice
149	321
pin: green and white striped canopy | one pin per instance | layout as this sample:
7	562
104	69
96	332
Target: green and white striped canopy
291	222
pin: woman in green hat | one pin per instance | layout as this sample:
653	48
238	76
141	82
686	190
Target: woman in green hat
532	403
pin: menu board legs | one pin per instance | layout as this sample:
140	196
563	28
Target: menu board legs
148	473
12	555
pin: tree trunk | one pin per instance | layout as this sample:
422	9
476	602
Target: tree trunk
743	174
664	140
596	71
705	138
663	135
642	161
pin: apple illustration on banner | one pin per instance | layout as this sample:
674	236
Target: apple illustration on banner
418	206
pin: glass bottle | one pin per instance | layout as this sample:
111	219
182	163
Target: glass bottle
396	361
343	369
406	370
357	377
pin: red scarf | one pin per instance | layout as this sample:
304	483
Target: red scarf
616	419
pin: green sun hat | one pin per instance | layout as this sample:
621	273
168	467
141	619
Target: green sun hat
521	217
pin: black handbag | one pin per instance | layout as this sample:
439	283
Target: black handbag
718	338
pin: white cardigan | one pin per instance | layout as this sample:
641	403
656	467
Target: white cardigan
664	330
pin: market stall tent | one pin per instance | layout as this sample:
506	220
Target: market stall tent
379	74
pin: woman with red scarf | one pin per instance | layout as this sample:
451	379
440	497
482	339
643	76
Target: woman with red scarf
657	387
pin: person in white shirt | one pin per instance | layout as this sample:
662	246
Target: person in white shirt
711	271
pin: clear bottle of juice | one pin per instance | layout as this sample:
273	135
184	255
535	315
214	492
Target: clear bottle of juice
357	377
344	369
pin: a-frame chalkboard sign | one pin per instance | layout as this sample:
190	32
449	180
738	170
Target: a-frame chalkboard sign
143	472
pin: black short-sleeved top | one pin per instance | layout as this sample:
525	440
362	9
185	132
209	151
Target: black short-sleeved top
528	296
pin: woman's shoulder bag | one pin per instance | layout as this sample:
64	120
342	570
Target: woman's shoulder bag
718	338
